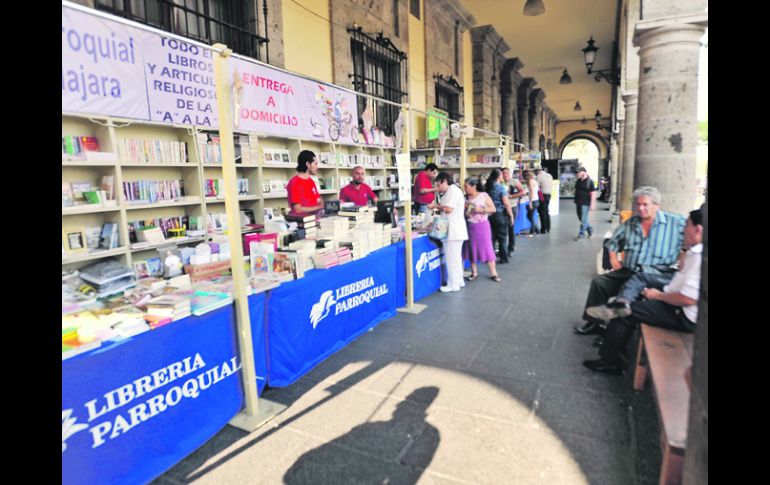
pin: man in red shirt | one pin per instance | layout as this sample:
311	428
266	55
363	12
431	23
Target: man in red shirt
304	197
357	191
424	192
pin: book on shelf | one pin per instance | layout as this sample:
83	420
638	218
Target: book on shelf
108	186
134	150
109	236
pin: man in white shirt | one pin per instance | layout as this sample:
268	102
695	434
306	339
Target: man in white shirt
545	181
451	202
674	307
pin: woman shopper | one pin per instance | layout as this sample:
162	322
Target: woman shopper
534	200
503	215
479	246
452	204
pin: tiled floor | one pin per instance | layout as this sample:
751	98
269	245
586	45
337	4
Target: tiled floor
484	386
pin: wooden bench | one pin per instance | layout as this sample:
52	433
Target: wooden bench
667	355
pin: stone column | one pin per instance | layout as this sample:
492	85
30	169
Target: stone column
617	169
510	80
488	48
667	131
626	186
536	98
525	88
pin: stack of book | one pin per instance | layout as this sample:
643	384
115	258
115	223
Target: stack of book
108	277
206	301
358	214
175	307
305	249
355	245
307	223
288	261
325	258
344	255
334	227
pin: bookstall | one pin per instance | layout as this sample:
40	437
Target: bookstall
156	358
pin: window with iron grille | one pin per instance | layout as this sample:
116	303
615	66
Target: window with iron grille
377	70
448	96
208	21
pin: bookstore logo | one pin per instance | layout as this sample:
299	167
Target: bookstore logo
358	293
321	309
125	420
429	261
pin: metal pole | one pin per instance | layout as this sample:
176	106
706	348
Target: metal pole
411	306
252	417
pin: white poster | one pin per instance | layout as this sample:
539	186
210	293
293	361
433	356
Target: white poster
102	67
276	103
180	81
403	165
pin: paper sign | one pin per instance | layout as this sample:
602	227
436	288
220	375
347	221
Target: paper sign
404	177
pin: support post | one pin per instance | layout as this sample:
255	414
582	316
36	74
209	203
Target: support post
254	415
411	306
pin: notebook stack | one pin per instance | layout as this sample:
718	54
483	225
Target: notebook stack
172	306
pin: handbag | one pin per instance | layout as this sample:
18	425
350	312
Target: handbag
440	229
540	195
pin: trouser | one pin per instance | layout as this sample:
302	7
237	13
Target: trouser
655	313
632	289
603	287
545	217
582	213
511	232
500	222
531	215
454	264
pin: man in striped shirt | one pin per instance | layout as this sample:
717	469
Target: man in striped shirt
650	241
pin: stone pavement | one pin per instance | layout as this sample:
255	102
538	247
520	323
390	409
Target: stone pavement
484	386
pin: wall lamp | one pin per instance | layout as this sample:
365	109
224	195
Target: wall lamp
599	125
612	76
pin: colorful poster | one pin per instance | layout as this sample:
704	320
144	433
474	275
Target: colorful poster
102	67
277	103
437	120
180	81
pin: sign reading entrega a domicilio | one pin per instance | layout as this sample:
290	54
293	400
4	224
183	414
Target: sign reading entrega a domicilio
121	69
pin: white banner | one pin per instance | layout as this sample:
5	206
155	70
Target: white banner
180	81
276	103
112	69
102	67
404	177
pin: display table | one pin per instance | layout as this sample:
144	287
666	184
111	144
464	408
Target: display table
522	223
311	318
131	411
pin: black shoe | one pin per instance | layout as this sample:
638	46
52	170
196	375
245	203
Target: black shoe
502	262
589	328
598	341
600	365
510	253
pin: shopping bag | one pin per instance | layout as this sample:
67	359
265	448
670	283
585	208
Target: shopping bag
440	228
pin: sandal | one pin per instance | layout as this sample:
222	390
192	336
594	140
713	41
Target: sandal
471	277
495	278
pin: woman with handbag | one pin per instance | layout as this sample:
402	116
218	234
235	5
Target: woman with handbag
451	203
479	246
503	215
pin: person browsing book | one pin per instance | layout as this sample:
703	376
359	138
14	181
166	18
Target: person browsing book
424	191
303	194
452	204
357	191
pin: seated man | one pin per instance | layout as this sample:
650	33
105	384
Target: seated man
357	191
650	240
674	307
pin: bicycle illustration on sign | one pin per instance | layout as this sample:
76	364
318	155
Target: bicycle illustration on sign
337	114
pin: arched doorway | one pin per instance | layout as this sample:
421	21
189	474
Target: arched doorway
586	152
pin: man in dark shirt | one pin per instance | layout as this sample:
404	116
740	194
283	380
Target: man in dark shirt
585	199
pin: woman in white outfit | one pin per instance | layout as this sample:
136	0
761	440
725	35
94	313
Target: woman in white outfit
451	202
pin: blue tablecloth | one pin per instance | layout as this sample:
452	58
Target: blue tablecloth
132	411
426	269
522	223
311	318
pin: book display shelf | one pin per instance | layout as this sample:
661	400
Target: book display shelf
140	174
278	162
482	155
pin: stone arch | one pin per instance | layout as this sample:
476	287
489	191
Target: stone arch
596	138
